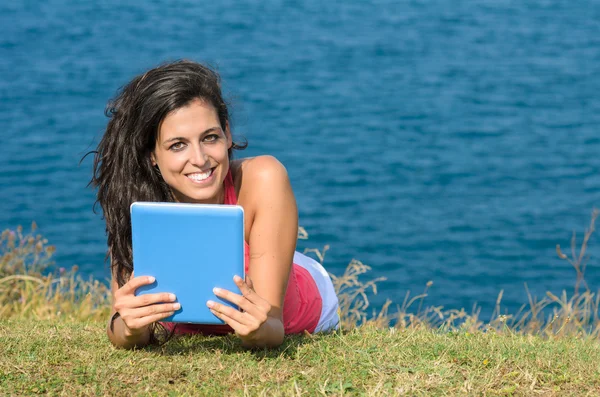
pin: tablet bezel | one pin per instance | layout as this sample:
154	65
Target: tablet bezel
167	232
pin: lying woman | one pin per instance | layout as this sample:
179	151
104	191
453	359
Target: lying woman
169	140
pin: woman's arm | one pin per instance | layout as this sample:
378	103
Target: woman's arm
270	207
272	237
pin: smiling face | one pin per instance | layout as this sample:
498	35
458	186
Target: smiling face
191	153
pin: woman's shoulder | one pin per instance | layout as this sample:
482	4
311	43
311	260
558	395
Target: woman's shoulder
259	183
257	173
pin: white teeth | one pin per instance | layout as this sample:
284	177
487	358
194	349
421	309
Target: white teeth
200	176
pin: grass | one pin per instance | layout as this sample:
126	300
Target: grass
29	290
52	341
74	358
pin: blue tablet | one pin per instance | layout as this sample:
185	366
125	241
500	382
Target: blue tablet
189	249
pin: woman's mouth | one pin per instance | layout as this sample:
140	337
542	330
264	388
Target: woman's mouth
201	177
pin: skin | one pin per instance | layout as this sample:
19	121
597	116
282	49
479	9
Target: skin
190	141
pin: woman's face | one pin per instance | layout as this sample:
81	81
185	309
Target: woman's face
191	153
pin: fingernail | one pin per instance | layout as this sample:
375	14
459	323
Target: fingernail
210	304
177	306
216	290
172	297
237	278
151	279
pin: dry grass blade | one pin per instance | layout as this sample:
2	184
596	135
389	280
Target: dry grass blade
25	292
21	277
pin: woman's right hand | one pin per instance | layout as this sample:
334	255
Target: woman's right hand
137	312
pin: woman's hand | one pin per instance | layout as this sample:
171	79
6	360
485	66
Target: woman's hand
137	312
254	310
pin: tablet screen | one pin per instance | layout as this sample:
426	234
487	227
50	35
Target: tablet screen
189	249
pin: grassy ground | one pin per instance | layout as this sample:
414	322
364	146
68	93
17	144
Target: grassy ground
52	341
74	358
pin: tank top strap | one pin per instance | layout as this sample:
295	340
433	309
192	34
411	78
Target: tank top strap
230	197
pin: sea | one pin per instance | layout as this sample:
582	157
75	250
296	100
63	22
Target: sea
455	142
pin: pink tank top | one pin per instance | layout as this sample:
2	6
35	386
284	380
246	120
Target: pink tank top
302	302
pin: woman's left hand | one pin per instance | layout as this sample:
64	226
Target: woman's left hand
254	309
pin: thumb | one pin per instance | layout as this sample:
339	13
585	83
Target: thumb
248	281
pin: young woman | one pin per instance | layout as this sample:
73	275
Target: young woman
168	139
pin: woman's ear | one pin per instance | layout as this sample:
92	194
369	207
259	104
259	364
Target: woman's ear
228	135
153	159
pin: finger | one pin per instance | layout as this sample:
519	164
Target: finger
135	283
248	281
229	296
237	326
153	309
133	302
134	317
245	289
238	300
147	320
230	312
151	299
250	294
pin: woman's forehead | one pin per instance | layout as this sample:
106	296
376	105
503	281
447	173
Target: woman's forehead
192	119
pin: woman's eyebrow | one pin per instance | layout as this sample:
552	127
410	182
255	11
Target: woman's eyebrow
212	129
177	138
180	138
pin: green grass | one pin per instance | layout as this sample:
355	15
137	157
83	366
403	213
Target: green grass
53	341
75	358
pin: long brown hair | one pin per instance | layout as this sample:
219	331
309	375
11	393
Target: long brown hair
123	171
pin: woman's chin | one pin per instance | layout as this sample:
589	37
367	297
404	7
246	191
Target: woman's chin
199	194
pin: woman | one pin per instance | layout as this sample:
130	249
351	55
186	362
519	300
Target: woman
169	140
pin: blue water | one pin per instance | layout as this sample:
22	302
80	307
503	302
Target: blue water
433	140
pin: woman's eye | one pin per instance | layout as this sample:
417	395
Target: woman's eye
177	146
211	138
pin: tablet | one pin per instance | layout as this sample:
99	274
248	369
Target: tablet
189	249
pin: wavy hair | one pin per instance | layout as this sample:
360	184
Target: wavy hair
123	172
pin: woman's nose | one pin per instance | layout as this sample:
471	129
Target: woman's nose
199	157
